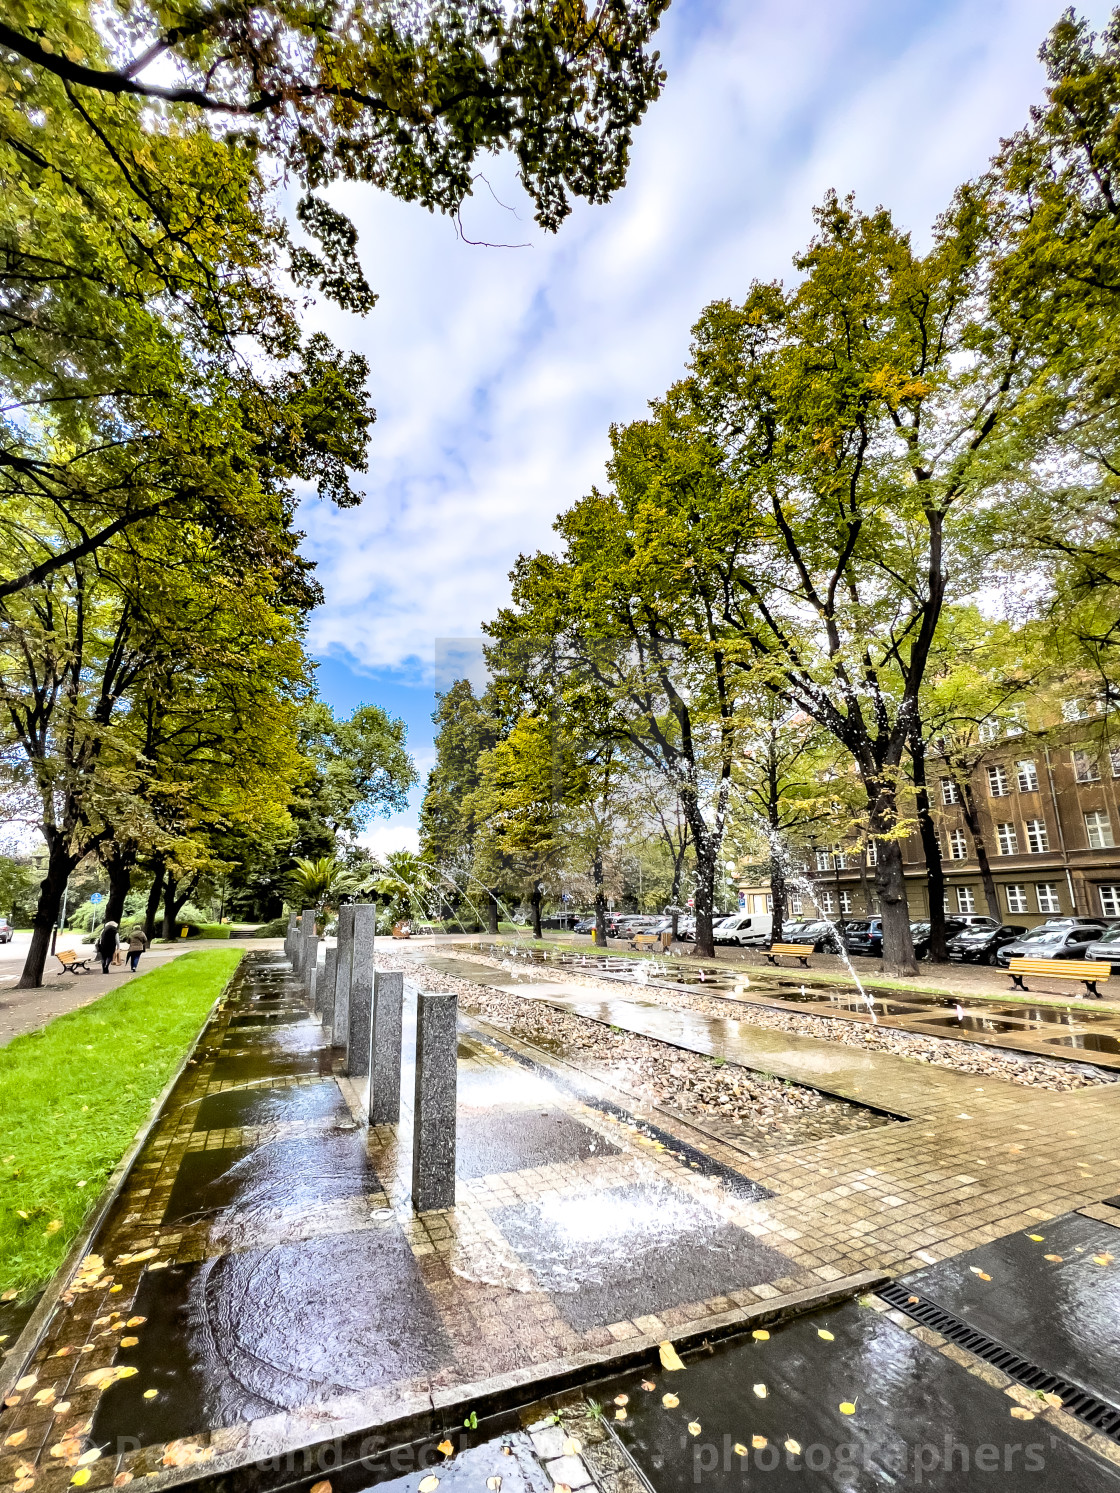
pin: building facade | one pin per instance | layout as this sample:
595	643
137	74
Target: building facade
1046	809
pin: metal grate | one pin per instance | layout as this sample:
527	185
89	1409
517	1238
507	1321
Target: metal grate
1087	1406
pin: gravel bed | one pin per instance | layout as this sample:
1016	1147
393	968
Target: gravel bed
755	1111
942	1052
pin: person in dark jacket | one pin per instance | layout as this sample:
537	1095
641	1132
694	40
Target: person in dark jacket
137	943
107	946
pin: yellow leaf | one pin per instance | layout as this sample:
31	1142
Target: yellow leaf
17	1438
622	1399
62	1407
670	1402
761	1334
793	1446
1057	1259
1054	1401
54	1225
126	1371
82	1475
129	1342
23	1484
694	1428
760	1390
620	1414
648	1384
572	1447
977	1271
9	1295
740	1450
669	1358
758	1442
139	1322
43	1396
429	1484
828	1336
1019	1413
88	1458
27	1381
1038	1239
847	1407
1105	1259
493	1483
447	1448
121	1479
150	1394
321	1487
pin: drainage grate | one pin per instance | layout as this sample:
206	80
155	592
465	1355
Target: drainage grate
1086	1406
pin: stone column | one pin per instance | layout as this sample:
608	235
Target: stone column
292	934
340	1021
323	1005
360	1028
312	968
306	935
433	1115
385	1062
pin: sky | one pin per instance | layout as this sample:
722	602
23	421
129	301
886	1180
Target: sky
497	372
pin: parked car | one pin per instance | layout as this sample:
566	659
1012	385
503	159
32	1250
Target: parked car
584	925
744	928
821	934
6	931
1050	941
919	932
864	936
978	944
1107	948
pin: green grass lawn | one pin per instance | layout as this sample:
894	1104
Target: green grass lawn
74	1094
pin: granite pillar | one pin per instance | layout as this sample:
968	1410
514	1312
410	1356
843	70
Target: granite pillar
433	1117
292	934
313	971
306	936
323	1005
385	1058
340	1022
360	1028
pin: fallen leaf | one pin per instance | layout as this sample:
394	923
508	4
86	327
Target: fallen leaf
87	1459
159	1265
1054	1401
669	1357
54	1226
670	1402
740	1450
793	1447
62	1353
1057	1259
1038	1239
82	1475
125	1371
828	1336
760	1390
982	1274
622	1399
27	1381
17	1438
911	1301
13	1400
572	1447
1105	1259
758	1442
24	1484
648	1384
67	1448
447	1448
121	1479
847	1407
323	1487
129	1342
44	1396
429	1484
620	1414
62	1407
494	1484
761	1334
694	1428
150	1394
1019	1413
8	1296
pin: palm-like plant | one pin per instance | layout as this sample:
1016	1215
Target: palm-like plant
406	882
319	883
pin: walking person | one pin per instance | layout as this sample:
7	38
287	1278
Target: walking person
137	943
107	946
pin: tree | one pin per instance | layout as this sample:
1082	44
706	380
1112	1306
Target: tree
322	883
361	766
404	97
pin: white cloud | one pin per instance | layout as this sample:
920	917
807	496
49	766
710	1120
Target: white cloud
396	834
497	372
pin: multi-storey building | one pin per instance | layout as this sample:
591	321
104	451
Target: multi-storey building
1046	808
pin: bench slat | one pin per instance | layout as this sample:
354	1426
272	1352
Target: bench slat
791	948
1069	969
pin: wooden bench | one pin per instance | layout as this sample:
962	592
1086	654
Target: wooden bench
1086	971
793	950
70	961
651	940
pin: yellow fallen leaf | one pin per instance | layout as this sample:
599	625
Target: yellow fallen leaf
82	1475
429	1484
760	1390
572	1447
694	1428
447	1448
829	1337
493	1483
87	1459
793	1447
847	1407
62	1407
622	1399
44	1396
1054	1401
68	1447
1105	1259
740	1450
159	1265
1057	1259
977	1271
129	1342
758	1442
1038	1239
669	1357
122	1479
139	1322
761	1334
12	1400
620	1414
1019	1413
27	1381
54	1226
670	1402
150	1394
17	1438
23	1484
8	1295
648	1384
125	1371
321	1487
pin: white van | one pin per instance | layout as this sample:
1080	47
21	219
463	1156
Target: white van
745	928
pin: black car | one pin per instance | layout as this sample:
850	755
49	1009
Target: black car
822	935
980	945
1052	941
919	932
1107	948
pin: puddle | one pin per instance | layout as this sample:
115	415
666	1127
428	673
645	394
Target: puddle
975	1024
262	1064
494	1141
237	1107
1087	1042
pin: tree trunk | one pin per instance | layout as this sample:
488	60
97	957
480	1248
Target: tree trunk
600	900
535	900
972	819
898	944
778	894
154	896
167	932
491	913
119	869
59	865
935	871
706	853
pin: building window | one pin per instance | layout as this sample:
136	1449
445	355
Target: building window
1075	710
988	730
997	782
1027	774
966	902
1086	768
1046	893
958	845
1114	758
1038	841
1016	897
1013	725
795	904
949	794
845	902
872	853
826	902
1110	900
840	858
1099	830
824	860
1008	839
